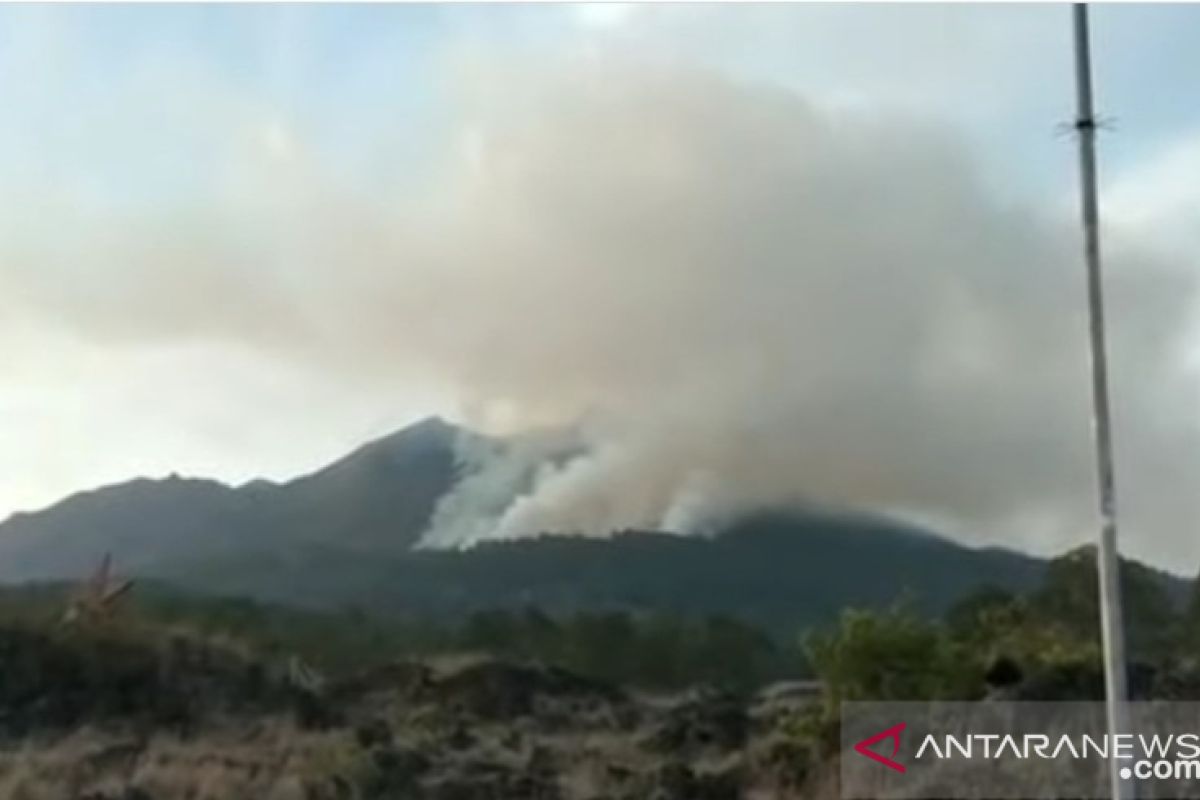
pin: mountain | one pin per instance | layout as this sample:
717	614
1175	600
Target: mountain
378	500
781	571
344	537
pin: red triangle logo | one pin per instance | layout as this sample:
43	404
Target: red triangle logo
892	733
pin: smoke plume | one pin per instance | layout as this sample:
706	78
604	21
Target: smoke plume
732	296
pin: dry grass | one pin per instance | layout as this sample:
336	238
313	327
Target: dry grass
270	760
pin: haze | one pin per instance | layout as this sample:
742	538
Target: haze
753	255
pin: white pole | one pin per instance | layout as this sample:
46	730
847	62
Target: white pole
1111	627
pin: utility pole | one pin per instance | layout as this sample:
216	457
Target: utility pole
1108	565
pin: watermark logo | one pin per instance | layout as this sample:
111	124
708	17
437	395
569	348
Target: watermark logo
995	750
893	733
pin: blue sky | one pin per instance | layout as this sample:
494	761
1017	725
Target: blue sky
348	75
260	195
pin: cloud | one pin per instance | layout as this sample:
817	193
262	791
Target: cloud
779	305
740	296
603	15
1158	200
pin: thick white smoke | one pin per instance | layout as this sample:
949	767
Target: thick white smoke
768	304
491	473
738	298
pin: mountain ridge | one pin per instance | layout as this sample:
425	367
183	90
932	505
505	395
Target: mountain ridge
378	496
346	535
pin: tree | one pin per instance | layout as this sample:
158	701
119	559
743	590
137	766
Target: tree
1069	599
892	655
733	653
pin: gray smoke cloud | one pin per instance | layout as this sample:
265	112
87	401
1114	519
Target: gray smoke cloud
767	304
732	296
491	473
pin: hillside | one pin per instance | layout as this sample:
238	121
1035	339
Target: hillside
781	572
378	499
343	537
209	721
174	697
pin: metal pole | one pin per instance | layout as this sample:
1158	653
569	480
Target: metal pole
1111	627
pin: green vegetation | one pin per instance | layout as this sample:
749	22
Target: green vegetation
399	710
650	650
1044	639
656	650
1043	644
893	655
778	572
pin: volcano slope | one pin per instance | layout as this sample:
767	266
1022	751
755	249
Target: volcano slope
105	715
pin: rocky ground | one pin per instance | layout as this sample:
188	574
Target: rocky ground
107	717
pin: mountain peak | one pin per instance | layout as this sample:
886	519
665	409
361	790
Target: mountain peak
429	426
415	443
431	433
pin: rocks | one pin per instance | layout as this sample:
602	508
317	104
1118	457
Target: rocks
498	690
408	680
486	780
540	761
673	781
785	761
677	781
483	730
396	772
54	680
707	720
459	736
131	793
401	761
312	710
373	732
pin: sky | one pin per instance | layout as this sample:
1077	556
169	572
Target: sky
760	254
